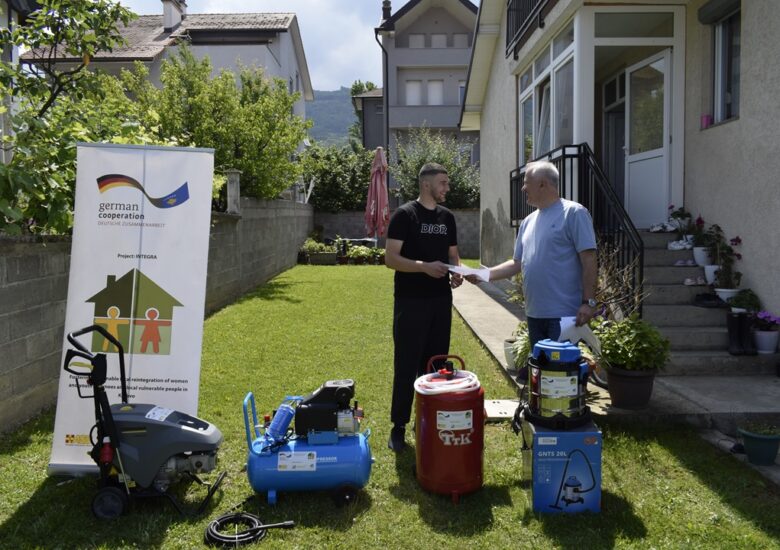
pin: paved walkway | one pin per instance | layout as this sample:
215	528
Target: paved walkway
715	404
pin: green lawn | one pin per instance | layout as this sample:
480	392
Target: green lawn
662	487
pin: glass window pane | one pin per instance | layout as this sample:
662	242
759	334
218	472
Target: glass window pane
438	41
414	92
654	24
731	55
564	104
435	92
647	108
563	40
416	40
527	132
460	40
542	62
622	86
543	132
525	79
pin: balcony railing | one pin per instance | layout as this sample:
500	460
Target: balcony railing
583	180
520	15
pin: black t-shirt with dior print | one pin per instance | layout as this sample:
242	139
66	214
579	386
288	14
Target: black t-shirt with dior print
427	235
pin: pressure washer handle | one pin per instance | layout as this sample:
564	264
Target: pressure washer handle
108	336
251	428
429	367
283	525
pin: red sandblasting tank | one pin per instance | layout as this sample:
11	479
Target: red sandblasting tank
449	430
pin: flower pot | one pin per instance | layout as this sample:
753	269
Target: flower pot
630	389
760	449
509	352
766	341
701	256
709	273
323	258
726	293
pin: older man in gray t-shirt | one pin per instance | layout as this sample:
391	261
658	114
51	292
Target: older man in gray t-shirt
556	252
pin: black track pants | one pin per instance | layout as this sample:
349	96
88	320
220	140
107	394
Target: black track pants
421	329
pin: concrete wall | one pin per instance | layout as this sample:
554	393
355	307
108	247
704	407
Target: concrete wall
351	225
732	169
244	252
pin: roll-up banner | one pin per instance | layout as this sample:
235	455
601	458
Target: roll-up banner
138	269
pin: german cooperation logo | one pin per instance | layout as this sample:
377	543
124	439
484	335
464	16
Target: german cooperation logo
130	211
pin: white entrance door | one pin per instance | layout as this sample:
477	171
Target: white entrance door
647	139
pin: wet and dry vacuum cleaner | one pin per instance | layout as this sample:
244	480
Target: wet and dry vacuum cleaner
140	449
325	450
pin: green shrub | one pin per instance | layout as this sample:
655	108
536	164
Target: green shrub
310	246
341	176
631	344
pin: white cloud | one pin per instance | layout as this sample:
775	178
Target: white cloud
338	35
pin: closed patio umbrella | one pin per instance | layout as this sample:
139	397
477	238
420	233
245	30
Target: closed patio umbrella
377	209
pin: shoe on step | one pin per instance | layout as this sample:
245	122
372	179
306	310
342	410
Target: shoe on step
396	442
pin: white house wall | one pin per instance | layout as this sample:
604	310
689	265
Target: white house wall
732	169
498	154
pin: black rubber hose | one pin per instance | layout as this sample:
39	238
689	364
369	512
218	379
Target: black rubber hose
255	531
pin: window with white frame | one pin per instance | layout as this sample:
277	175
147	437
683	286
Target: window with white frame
435	92
414	92
727	67
546	98
438	41
417	41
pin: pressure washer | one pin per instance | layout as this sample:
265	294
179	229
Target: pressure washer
140	449
324	451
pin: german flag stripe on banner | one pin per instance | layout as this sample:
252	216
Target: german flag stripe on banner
110	181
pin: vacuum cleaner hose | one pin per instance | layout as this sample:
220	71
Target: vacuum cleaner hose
255	530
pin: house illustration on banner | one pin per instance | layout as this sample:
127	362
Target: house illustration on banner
135	308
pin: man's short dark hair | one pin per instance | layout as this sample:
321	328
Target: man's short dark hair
431	169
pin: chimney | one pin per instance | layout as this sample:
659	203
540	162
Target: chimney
173	13
386	10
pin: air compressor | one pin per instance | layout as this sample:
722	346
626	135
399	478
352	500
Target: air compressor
449	429
324	451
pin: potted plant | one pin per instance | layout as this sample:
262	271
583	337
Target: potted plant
766	332
761	441
727	278
632	352
359	254
745	301
700	243
319	253
680	218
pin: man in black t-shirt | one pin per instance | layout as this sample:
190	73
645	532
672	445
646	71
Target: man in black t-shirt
421	241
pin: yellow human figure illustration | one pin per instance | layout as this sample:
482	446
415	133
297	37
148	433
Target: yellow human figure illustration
112	323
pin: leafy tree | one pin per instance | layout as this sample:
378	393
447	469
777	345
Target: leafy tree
341	176
355	131
54	107
251	128
424	145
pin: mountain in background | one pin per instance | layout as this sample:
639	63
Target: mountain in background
332	114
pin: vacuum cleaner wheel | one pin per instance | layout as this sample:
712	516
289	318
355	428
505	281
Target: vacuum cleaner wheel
109	503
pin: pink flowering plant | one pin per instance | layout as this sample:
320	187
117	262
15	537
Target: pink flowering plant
764	320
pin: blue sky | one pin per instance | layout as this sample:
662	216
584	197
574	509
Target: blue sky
338	35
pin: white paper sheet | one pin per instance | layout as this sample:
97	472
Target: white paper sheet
483	274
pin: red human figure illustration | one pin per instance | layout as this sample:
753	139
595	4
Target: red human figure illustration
151	333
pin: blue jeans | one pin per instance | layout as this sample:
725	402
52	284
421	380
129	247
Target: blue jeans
539	329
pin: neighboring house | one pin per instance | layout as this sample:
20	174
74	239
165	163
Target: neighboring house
677	99
12	12
428	45
271	41
371	116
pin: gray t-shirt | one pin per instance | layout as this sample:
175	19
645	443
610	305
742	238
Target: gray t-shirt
548	246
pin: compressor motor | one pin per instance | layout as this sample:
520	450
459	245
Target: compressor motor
324	451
